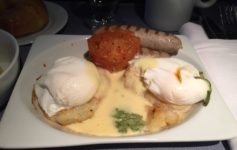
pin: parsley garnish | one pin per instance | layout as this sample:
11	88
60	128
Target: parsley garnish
125	120
207	99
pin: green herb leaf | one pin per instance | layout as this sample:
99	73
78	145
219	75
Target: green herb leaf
207	99
125	120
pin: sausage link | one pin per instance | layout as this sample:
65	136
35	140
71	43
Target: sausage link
152	39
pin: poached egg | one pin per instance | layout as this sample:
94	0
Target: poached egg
69	82
172	80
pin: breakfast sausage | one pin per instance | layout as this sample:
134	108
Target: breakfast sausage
152	39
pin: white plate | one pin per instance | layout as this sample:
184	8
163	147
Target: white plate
22	128
57	19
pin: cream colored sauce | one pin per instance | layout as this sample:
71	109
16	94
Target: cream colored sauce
101	124
92	73
146	63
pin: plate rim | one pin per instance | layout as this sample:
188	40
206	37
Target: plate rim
94	140
29	39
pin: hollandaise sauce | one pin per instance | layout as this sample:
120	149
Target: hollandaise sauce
117	97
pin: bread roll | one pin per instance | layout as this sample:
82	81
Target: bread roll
22	17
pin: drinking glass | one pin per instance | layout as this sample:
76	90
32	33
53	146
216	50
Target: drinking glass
102	12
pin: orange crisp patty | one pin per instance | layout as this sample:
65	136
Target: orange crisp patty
112	49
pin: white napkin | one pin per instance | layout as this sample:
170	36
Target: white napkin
220	60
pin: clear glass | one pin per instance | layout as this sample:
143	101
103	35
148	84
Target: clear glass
102	12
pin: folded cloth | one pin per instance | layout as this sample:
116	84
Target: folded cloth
220	61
